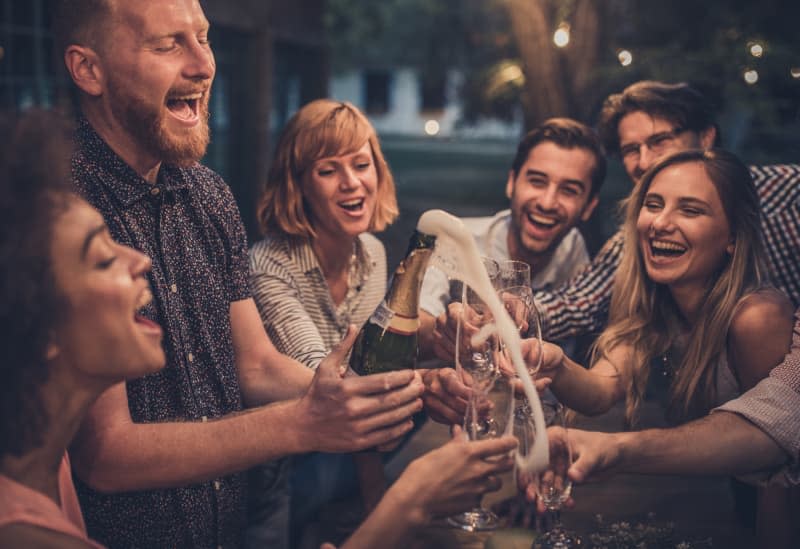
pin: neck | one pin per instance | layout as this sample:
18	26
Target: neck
517	252
65	403
143	162
689	299
333	254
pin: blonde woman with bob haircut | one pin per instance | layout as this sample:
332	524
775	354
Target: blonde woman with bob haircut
318	268
691	309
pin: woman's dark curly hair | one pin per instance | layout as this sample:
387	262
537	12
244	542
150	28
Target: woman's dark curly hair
34	191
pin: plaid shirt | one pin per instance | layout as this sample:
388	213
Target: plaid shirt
581	305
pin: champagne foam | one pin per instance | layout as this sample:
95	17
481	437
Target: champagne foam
457	255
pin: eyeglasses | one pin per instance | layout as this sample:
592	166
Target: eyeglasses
656	143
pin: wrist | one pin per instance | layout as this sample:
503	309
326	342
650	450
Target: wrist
399	497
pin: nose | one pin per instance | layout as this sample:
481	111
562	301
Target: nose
201	64
349	179
140	263
548	200
662	221
646	158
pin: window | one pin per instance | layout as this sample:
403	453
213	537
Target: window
376	91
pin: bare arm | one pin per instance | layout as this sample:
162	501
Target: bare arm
112	453
265	375
589	392
443	482
15	535
720	444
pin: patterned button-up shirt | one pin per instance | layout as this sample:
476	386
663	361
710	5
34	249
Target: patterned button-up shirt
581	305
189	225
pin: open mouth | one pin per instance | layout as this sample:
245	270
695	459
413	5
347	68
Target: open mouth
541	221
661	248
354	205
138	316
185	107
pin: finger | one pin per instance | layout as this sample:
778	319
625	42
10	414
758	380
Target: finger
493	446
363	406
440	412
453	385
390	417
542	384
384	435
330	364
376	384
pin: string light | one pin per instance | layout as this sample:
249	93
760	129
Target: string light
625	57
756	49
431	127
795	72
561	36
751	76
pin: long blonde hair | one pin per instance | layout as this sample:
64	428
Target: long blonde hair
320	129
643	313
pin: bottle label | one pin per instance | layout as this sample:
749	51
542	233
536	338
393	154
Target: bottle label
390	321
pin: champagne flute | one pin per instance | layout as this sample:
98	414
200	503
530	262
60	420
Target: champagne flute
553	486
491	399
513	273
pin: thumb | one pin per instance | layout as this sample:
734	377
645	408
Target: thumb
330	364
327	546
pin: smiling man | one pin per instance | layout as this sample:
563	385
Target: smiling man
552	186
159	460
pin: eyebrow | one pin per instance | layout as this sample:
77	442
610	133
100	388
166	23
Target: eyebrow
87	241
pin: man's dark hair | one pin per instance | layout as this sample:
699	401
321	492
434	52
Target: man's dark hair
34	189
680	104
568	134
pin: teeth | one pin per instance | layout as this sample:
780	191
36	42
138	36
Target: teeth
350	203
541	220
187	97
667	246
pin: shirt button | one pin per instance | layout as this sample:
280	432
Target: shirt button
204	419
191	357
154	191
174	288
216	485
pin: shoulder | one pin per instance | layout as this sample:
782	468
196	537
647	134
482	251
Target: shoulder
271	253
372	244
761	313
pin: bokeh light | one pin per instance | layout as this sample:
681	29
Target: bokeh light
432	127
795	72
751	76
625	57
756	49
561	36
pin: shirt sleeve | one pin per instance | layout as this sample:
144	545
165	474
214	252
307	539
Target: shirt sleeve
435	293
285	319
580	305
238	263
774	403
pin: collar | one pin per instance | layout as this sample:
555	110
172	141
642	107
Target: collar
117	176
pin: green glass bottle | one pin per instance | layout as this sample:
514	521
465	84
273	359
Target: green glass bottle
388	340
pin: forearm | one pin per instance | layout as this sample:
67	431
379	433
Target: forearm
719	444
585	391
284	378
141	456
390	524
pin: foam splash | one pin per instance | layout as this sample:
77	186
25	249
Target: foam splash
457	255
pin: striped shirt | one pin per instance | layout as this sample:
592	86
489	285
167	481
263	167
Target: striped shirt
295	303
581	305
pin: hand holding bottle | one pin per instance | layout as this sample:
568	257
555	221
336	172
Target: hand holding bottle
355	413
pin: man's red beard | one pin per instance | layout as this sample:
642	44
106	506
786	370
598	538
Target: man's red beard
149	127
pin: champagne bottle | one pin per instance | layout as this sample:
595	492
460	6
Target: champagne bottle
388	340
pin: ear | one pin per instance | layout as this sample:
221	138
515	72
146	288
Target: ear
588	210
52	351
510	184
731	247
83	65
707	137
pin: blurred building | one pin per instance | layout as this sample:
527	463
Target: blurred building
271	58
